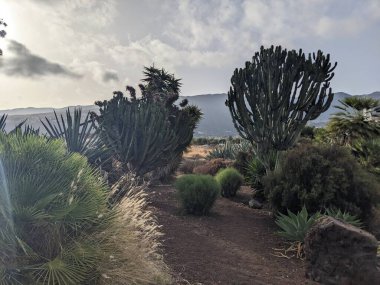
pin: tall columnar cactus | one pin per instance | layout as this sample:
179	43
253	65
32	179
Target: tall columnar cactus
273	97
138	133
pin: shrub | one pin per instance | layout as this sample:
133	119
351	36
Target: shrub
187	165
319	177
53	207
57	226
230	181
197	193
212	167
255	171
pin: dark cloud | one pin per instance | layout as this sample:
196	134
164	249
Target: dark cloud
110	76
26	64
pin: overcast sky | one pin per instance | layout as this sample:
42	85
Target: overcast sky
70	52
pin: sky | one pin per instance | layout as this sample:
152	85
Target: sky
74	52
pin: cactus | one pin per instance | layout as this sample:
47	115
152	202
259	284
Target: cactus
138	133
276	94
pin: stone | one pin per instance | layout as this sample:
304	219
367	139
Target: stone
339	253
253	203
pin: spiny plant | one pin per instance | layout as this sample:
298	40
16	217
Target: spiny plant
53	213
273	97
230	149
295	226
343	216
79	135
137	133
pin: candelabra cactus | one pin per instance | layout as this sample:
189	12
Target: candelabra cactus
273	97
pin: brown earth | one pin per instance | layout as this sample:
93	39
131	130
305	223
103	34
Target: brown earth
234	245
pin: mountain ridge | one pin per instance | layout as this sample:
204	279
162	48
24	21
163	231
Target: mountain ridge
216	119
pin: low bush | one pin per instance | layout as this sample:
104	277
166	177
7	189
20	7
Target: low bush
187	165
212	167
320	177
230	181
197	193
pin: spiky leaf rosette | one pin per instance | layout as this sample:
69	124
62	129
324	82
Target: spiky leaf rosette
53	205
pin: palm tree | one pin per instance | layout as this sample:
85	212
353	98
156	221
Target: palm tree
352	122
53	209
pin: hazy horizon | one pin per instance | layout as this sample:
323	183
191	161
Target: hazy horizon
75	52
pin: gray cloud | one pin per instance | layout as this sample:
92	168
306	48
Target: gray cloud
110	76
26	64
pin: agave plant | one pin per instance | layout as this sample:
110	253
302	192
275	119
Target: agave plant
230	150
53	211
344	216
295	226
79	135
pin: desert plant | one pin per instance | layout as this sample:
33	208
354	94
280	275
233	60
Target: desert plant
230	181
319	177
230	149
343	216
212	166
255	171
52	207
137	133
275	95
197	193
368	154
295	226
79	134
351	123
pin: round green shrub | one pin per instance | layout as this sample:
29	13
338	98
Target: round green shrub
197	193
320	177
230	181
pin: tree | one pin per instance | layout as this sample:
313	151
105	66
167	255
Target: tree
352	123
2	32
273	97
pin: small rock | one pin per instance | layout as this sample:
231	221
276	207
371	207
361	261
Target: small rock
253	203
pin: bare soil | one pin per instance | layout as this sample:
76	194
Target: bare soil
234	245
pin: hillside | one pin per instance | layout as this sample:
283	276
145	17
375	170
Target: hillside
216	117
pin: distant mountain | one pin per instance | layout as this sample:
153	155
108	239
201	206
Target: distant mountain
216	117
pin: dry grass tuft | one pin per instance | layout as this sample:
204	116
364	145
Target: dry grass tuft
136	257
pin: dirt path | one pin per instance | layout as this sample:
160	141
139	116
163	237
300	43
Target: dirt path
232	246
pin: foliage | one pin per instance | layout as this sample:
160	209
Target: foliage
319	177
308	132
368	154
79	135
212	166
151	132
2	32
273	97
137	133
197	193
295	226
230	181
255	171
343	216
53	206
351	123
137	257
230	150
